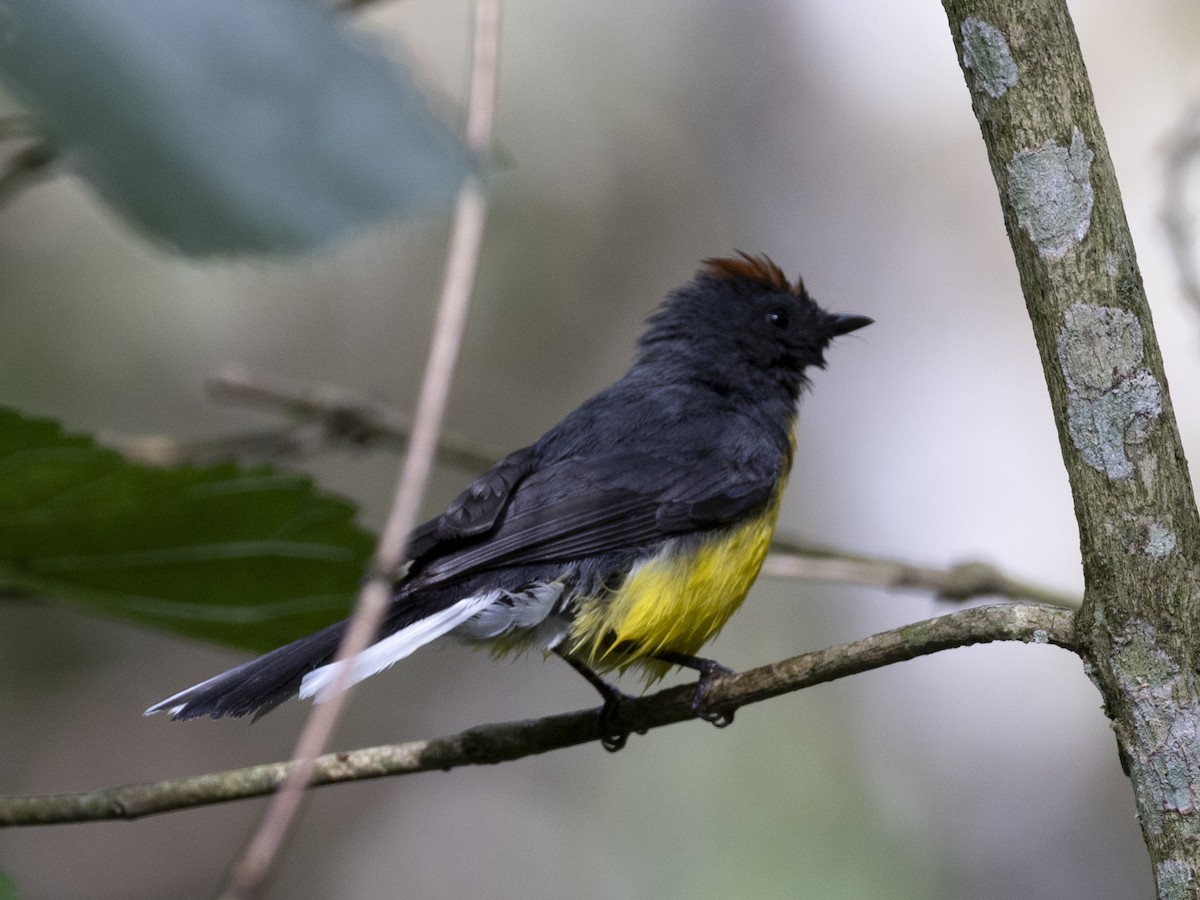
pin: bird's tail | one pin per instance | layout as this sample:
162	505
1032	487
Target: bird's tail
306	668
259	685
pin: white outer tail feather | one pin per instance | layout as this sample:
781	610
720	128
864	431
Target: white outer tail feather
319	683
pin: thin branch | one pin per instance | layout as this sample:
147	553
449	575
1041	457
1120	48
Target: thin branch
1182	148
17	128
964	581
328	415
462	264
491	744
324	417
26	166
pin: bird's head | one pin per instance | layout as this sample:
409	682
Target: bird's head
741	324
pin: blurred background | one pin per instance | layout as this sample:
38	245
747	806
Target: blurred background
636	139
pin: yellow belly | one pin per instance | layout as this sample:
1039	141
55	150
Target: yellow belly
676	601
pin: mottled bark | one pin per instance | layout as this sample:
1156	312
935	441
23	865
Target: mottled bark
1138	526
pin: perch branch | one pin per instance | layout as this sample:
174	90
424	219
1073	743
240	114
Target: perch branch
491	744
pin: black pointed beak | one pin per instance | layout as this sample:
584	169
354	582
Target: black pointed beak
837	324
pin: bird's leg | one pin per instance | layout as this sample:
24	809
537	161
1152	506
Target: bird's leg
612	739
708	669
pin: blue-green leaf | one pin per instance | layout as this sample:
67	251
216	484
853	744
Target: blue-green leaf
229	126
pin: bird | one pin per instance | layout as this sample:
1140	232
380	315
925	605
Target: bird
624	537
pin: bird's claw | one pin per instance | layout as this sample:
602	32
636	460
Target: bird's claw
718	718
613	738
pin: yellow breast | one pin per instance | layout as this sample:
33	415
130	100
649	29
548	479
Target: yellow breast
678	600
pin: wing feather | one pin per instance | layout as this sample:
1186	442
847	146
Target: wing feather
586	507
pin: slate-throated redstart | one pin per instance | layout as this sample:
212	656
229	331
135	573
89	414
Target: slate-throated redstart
628	533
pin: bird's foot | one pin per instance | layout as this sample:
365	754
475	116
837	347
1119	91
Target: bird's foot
709	670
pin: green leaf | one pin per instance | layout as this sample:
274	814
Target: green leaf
227	127
247	556
8	888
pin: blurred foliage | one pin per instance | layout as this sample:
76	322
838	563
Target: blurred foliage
8	888
225	127
247	556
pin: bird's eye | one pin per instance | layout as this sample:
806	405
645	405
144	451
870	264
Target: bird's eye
778	317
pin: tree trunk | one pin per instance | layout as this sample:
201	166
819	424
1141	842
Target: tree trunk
1137	517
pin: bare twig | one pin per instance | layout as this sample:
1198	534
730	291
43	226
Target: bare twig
491	744
324	417
328	416
461	266
26	166
16	128
960	582
1181	148
295	441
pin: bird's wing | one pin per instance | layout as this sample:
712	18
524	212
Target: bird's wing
584	507
721	505
475	510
